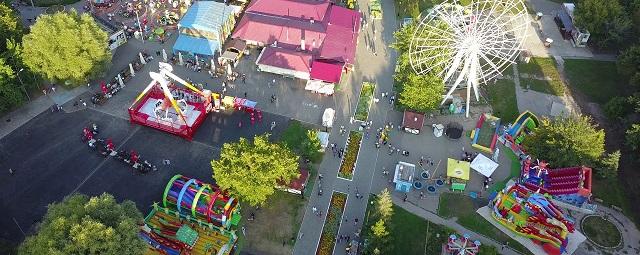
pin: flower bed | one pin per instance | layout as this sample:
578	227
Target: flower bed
350	156
332	224
364	101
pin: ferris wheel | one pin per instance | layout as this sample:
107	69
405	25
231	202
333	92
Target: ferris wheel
468	45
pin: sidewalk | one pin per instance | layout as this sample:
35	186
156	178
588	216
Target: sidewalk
35	107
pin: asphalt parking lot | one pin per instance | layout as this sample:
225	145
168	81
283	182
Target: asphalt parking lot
50	161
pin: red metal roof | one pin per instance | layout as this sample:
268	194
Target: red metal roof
413	120
335	35
326	72
298	183
301	9
287	59
288	32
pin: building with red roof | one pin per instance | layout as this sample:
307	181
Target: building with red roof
317	28
285	62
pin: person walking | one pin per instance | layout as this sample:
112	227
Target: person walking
273	125
10	171
315	210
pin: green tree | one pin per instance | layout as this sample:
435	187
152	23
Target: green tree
617	108
567	142
311	146
384	205
67	46
251	170
607	167
421	93
379	229
606	20
632	137
10	26
628	65
83	225
10	91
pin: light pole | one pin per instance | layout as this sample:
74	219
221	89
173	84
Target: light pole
20	79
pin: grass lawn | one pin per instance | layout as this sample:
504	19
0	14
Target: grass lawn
46	3
601	231
541	68
279	220
599	80
515	170
502	97
364	101
463	207
411	234
295	136
611	193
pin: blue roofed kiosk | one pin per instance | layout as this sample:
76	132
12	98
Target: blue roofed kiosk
204	29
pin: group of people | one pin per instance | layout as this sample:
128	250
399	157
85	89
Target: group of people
468	156
337	152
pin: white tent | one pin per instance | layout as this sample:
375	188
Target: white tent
320	87
484	165
328	116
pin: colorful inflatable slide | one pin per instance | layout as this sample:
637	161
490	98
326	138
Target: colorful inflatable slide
532	215
571	184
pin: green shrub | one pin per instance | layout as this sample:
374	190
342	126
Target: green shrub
617	108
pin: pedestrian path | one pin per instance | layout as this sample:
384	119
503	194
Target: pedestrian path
451	223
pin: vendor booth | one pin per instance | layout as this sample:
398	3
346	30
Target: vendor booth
412	122
457	174
403	176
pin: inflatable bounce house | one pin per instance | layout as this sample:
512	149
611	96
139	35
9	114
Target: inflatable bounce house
195	199
570	185
532	215
167	232
485	135
196	218
514	134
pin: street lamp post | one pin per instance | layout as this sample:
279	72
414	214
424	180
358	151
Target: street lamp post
20	79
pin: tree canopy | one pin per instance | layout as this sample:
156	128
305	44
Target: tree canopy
606	20
421	93
83	225
10	26
251	170
628	65
566	142
67	47
10	94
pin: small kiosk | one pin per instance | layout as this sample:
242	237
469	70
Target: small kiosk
412	122
457	174
403	177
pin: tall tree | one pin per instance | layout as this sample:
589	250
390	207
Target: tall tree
10	26
67	46
421	93
251	170
384	205
606	20
567	142
83	225
10	93
628	65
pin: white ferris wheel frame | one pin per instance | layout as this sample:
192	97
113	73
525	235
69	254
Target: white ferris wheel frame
472	43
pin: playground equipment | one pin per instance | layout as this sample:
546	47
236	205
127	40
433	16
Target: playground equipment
167	233
201	201
514	134
485	134
457	174
532	215
570	185
461	246
162	105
